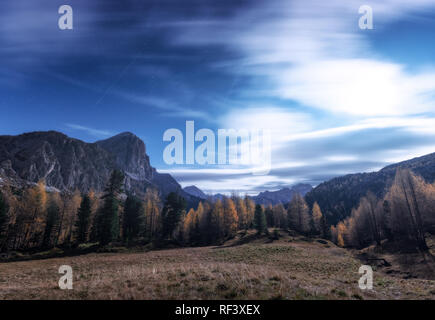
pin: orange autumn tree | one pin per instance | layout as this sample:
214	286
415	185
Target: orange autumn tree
230	219
317	218
341	230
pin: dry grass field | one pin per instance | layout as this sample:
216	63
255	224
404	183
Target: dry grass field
283	269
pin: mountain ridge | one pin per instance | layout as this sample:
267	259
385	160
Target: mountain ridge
282	196
338	196
67	163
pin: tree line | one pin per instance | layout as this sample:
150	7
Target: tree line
404	216
33	218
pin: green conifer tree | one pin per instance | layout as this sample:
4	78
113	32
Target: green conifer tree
260	220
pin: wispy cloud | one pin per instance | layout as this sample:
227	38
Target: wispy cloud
352	109
91	131
172	109
302	68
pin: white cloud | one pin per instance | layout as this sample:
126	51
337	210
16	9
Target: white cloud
88	130
358	87
173	110
313	53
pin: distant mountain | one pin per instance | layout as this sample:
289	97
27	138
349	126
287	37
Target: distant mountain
216	197
68	164
195	191
283	196
267	197
338	196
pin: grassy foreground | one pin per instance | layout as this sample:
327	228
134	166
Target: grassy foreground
288	268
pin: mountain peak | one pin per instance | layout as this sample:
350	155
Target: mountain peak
125	134
130	154
195	191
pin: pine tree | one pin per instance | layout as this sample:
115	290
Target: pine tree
53	213
171	214
260	219
216	223
195	231
325	231
207	227
133	222
83	220
109	219
333	231
269	216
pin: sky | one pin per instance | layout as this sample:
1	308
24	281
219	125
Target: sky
337	99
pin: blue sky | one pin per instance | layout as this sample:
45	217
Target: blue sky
337	99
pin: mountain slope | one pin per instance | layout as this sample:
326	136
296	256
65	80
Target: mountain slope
63	162
195	191
283	196
68	164
338	196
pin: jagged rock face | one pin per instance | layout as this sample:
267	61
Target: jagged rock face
68	164
130	155
63	162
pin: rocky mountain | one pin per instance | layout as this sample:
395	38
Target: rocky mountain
338	196
63	162
68	164
283	196
130	155
195	191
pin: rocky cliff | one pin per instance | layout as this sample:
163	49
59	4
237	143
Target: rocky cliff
68	164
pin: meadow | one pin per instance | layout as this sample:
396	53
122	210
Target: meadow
254	268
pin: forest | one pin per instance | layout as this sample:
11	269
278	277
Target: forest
36	219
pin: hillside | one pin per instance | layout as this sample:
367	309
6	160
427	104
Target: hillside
195	191
338	196
288	268
283	196
67	164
